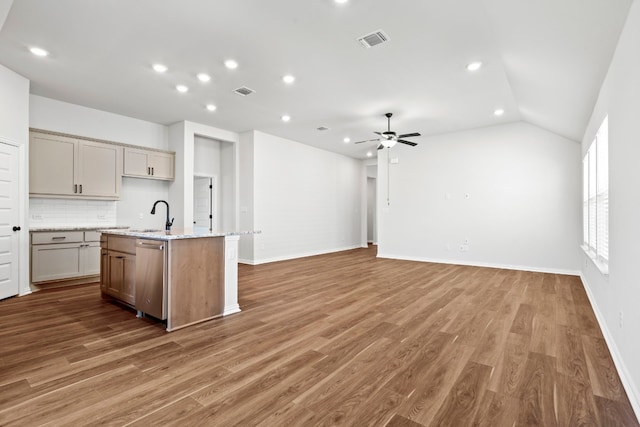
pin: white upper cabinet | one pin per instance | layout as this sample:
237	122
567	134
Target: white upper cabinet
52	165
69	167
99	169
148	163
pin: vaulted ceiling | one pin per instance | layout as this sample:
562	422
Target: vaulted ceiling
543	62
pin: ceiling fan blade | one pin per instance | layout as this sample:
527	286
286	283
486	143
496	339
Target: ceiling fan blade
380	147
409	135
402	141
366	140
379	133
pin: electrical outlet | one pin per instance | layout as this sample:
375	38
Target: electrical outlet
466	240
102	216
36	216
621	318
140	215
464	248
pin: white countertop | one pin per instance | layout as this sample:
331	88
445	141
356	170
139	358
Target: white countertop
174	234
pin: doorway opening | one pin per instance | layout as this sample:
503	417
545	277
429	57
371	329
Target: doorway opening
204	203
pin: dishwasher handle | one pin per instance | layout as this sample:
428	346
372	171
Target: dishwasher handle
156	246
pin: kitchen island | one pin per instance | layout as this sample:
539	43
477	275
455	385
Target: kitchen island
180	276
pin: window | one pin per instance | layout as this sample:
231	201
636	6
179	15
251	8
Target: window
596	198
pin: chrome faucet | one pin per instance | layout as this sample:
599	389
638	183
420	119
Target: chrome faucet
169	223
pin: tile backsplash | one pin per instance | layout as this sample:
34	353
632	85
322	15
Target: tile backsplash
71	212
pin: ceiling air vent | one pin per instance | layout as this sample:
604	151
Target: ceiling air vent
373	39
244	91
321	128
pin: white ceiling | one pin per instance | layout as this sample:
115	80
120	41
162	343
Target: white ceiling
544	61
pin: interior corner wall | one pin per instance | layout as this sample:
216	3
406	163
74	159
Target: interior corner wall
307	201
504	196
246	246
14	130
615	297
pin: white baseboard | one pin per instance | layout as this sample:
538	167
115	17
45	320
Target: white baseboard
231	310
483	264
632	392
296	256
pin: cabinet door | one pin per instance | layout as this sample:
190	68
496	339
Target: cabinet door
104	270
52	164
161	165
122	270
90	258
135	162
116	274
56	261
99	170
128	291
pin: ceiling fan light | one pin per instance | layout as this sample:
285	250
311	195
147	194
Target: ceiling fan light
388	143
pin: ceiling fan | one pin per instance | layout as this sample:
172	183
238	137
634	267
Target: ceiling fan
389	138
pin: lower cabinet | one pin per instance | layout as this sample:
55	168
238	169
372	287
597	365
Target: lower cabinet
64	255
118	269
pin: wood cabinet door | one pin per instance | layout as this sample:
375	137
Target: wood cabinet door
128	291
135	162
116	274
55	261
52	164
104	270
122	277
99	169
161	165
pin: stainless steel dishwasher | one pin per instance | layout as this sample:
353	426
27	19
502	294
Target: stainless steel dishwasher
151	278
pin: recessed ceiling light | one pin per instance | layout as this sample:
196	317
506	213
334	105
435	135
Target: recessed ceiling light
204	77
211	107
37	51
159	68
369	154
347	140
341	1
286	118
288	79
498	112
182	88
231	64
474	66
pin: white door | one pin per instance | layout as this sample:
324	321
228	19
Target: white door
202	206
9	221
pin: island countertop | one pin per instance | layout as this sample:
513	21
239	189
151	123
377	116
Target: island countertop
178	233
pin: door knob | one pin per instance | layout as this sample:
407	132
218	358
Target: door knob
16	228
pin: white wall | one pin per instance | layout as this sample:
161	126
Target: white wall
14	130
372	227
245	245
207	162
137	195
523	208
306	200
620	292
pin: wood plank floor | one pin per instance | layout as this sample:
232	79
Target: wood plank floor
338	339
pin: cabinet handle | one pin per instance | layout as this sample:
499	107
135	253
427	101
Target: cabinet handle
58	237
148	170
75	188
153	171
119	257
80	188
